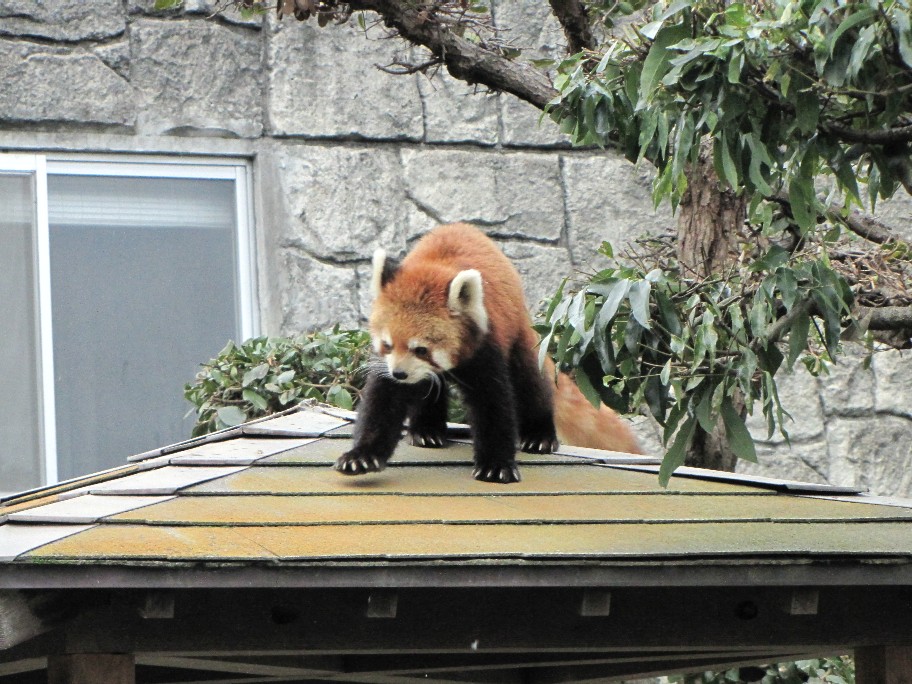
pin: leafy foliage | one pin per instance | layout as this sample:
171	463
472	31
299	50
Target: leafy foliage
268	374
787	91
800	105
840	670
691	349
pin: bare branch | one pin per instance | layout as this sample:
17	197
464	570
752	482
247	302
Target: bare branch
464	59
403	69
574	19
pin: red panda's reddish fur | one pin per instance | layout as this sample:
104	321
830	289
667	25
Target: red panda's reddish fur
414	304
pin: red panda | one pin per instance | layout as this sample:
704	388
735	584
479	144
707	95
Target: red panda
454	311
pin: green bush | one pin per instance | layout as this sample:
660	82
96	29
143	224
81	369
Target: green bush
265	375
839	670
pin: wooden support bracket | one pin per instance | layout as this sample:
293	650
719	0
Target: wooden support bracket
92	668
883	665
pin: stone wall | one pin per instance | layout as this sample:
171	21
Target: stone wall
347	158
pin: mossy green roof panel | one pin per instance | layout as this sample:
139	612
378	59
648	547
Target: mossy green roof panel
270	497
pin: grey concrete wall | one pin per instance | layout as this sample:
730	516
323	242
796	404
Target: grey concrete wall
347	158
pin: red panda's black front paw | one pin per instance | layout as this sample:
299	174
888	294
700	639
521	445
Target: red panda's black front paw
501	473
539	445
356	463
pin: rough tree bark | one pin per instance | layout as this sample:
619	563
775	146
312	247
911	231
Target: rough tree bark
710	226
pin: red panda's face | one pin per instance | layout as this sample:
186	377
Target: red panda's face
424	319
411	359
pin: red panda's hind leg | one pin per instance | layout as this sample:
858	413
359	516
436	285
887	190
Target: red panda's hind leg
534	403
427	418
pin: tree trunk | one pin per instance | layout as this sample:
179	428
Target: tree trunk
710	228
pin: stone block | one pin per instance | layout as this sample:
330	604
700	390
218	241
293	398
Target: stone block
608	198
804	462
197	75
343	202
317	295
800	397
457	112
511	195
848	389
51	84
542	268
873	453
532	28
63	20
893	379
324	82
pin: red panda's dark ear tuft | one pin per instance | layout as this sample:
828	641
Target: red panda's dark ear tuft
383	271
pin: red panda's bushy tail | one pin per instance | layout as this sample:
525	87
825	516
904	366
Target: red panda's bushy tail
579	423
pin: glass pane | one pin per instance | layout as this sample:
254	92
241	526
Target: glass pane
143	282
20	432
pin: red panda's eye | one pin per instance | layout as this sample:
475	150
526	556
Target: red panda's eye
385	348
420	352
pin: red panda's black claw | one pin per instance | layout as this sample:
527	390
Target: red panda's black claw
544	445
428	440
505	473
350	463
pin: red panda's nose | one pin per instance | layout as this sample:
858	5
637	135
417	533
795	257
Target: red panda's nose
400	375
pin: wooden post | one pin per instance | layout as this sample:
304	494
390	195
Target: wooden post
883	665
92	668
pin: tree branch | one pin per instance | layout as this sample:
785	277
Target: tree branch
574	19
868	227
900	134
885	317
465	60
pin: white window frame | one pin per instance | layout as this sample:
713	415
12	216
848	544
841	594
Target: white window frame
126	166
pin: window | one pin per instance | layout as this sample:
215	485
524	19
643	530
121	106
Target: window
117	278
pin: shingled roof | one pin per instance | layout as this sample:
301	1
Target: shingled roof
260	552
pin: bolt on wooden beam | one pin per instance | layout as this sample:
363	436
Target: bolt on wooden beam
596	603
382	604
803	602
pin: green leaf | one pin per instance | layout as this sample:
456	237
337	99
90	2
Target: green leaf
161	5
798	338
802	202
703	412
259	402
588	389
285	377
658	60
900	22
675	456
726	168
739	439
775	257
256	373
639	302
231	415
341	397
850	22
807	111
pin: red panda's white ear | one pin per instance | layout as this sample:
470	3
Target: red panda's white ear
466	297
383	271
